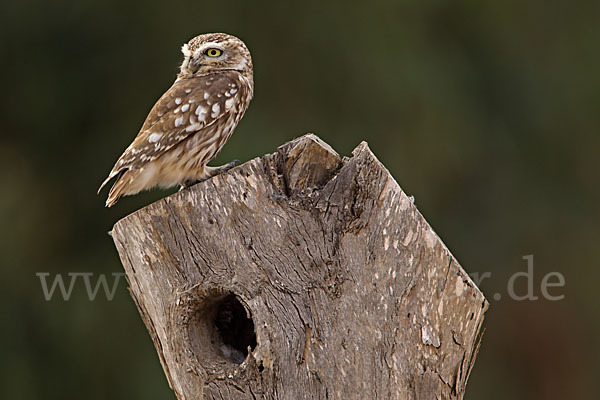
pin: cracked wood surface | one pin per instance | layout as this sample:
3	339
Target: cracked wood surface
351	292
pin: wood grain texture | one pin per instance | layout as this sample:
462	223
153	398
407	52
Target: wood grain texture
351	292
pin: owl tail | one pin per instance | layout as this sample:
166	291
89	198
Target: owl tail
110	176
117	189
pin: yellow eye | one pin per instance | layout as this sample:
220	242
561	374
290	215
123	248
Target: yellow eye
213	52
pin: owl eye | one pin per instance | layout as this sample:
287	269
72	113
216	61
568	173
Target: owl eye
213	52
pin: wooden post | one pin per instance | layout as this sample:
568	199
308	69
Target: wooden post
301	275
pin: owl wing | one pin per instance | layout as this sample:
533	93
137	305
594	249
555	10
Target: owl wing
188	107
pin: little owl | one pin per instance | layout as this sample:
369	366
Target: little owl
191	122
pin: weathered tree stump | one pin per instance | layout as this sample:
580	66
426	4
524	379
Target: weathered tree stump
301	275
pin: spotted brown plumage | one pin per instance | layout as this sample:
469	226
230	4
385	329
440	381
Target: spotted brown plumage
191	122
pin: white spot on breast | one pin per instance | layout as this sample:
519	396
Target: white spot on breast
205	95
233	90
227	94
185	107
192	119
193	127
154	137
188	90
201	112
178	101
229	103
191	101
176	110
178	121
216	109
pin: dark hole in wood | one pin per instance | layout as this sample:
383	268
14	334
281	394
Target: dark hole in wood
236	329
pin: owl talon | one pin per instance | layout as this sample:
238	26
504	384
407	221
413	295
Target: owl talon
212	171
228	166
189	183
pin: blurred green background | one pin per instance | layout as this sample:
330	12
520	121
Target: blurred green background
486	112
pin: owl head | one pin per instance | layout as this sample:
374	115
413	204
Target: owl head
213	52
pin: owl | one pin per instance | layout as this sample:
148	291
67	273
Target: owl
191	122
